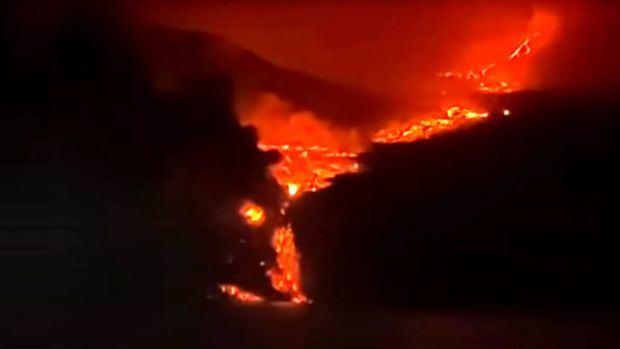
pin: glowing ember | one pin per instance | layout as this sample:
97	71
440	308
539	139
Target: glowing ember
285	277
254	215
239	294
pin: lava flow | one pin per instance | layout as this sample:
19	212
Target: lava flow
420	129
309	164
240	294
309	168
286	277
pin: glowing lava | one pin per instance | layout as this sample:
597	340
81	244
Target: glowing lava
313	153
426	128
309	168
286	276
253	214
239	294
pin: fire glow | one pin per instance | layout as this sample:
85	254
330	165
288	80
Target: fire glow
309	164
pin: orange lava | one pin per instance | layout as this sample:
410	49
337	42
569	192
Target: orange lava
309	168
253	214
426	128
239	294
286	276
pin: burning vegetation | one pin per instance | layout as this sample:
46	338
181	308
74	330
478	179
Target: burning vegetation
313	152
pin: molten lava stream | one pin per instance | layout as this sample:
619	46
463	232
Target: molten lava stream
426	128
286	277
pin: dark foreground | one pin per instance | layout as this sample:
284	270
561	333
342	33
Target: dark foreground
283	326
